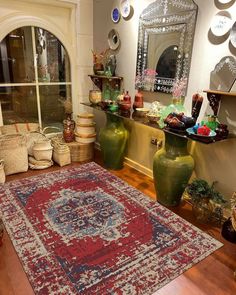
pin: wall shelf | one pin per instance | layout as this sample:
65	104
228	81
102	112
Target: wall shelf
99	80
214	97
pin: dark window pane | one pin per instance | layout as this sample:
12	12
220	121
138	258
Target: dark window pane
16	57
19	104
52	104
53	60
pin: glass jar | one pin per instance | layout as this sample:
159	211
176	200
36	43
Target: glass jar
106	92
68	129
115	93
138	100
197	100
212	122
125	104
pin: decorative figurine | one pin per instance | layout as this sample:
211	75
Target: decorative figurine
197	100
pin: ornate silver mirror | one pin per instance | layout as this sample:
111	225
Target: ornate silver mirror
224	74
166	30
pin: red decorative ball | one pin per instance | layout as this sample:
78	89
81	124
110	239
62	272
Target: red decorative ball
203	130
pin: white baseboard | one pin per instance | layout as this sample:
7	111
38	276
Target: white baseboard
138	167
132	164
97	145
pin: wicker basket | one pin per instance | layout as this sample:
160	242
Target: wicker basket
13	151
42	154
61	154
81	152
31	138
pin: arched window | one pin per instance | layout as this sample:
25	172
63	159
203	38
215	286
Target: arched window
35	77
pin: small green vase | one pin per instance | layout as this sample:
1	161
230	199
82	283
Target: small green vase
113	139
172	169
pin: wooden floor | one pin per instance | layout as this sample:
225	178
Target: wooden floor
212	276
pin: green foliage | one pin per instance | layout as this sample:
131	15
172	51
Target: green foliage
199	188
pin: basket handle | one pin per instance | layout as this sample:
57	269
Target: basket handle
50	127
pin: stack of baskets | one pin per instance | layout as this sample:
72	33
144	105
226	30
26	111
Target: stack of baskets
85	128
83	147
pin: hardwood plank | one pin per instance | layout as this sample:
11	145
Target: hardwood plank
213	275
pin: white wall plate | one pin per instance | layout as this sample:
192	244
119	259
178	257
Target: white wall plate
221	23
233	35
125	8
224	1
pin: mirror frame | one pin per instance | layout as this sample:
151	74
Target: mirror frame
223	76
161	17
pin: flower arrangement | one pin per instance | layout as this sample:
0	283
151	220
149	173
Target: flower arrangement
179	87
147	80
98	58
138	82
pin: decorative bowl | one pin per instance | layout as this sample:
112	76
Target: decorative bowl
204	138
141	112
153	118
95	96
100	73
113	39
104	104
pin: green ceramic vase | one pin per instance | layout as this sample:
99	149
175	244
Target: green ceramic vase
113	139
172	169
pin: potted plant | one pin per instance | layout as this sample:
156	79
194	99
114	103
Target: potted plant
206	200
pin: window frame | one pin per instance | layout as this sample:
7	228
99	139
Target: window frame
38	83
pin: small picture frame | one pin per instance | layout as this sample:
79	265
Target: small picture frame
115	15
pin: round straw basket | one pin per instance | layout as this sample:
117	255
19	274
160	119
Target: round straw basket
81	152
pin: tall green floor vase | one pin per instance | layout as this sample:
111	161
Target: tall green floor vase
113	139
172	169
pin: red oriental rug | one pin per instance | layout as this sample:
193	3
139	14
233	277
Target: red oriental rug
84	231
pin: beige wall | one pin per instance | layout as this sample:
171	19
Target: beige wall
213	162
